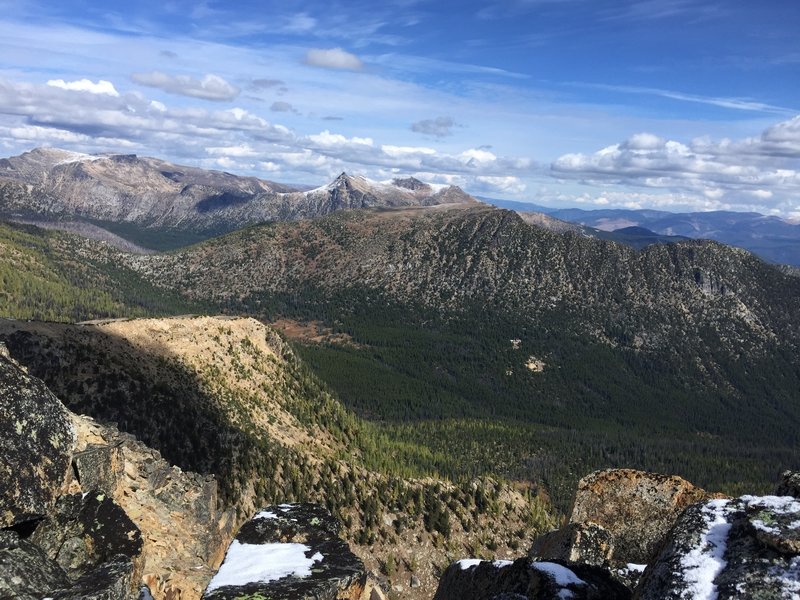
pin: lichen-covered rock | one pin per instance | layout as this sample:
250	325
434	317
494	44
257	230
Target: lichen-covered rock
36	443
115	579
790	484
99	467
184	529
291	552
742	549
85	531
26	573
636	507
586	543
527	580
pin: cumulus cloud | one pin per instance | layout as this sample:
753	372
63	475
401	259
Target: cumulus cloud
506	185
85	85
333	58
438	127
210	87
328	139
763	167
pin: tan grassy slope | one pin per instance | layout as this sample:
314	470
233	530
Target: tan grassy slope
227	396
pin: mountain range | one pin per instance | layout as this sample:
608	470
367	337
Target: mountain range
150	201
425	336
772	238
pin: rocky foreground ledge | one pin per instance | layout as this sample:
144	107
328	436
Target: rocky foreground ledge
642	536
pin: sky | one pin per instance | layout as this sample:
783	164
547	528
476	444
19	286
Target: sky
668	104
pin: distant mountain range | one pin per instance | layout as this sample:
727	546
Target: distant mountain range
161	205
771	238
153	204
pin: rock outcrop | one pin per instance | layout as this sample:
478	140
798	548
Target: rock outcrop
36	443
92	513
637	508
748	547
586	543
527	580
84	531
726	549
291	552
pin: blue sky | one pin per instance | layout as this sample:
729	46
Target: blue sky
672	104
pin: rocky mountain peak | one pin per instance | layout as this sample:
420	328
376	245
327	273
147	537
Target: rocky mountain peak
411	183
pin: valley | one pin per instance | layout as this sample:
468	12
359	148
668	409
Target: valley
437	372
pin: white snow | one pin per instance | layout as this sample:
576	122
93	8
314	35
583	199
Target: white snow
265	514
635	567
260	563
705	561
466	563
561	575
779	505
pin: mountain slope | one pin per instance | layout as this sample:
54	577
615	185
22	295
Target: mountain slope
136	197
680	358
227	396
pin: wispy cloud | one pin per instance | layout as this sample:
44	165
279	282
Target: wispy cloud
333	58
210	87
746	104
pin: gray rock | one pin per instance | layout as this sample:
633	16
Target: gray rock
85	531
26	573
99	468
523	579
790	484
739	549
414	582
586	543
36	444
112	580
303	538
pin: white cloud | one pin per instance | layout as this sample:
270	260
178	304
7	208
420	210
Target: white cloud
764	167
85	85
401	151
333	58
477	155
210	87
506	185
328	139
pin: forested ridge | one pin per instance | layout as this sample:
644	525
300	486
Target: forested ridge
479	345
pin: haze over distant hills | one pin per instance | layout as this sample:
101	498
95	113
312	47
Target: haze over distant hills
772	238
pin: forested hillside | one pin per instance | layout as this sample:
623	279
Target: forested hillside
506	348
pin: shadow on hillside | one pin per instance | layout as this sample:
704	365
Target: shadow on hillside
149	395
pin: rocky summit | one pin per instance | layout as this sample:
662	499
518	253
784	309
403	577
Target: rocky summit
728	548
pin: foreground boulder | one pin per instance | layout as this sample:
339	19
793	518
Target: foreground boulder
291	552
36	442
744	548
637	508
86	530
526	580
585	543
